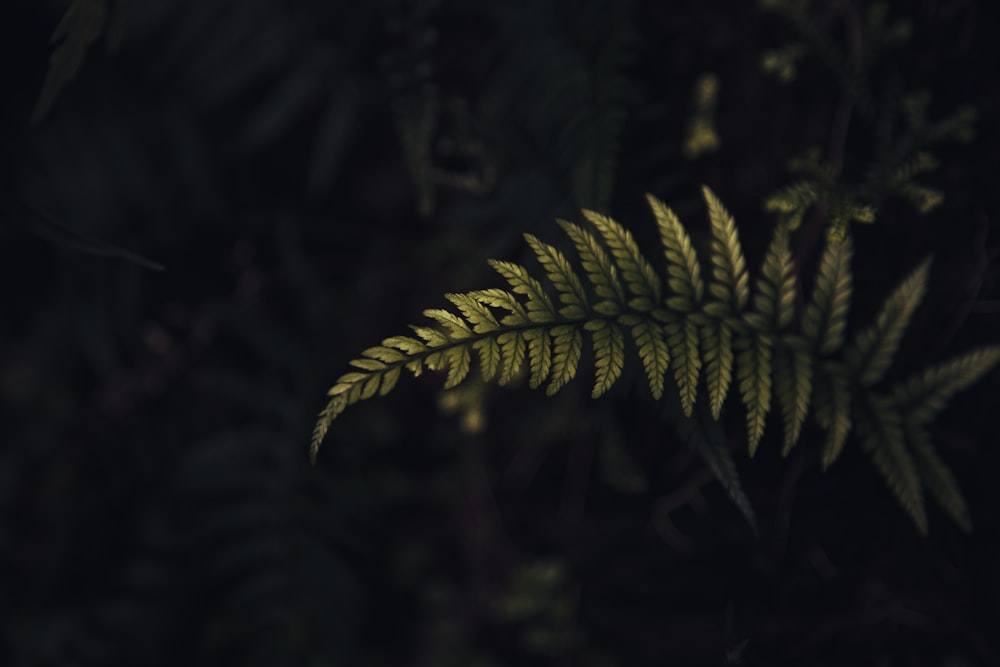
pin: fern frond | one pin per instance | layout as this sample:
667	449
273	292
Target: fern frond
924	394
793	374
683	339
653	351
640	277
774	298
772	353
936	476
568	343
717	349
600	271
730	284
475	313
539	356
883	439
563	277
871	352
489	357
498	298
609	352
539	304
825	316
833	411
753	369
513	349
683	270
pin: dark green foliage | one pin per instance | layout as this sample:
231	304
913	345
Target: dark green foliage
155	505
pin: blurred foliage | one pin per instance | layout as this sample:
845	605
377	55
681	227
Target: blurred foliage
276	159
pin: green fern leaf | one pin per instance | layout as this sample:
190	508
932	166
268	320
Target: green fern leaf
389	380
568	343
833	410
753	367
683	339
408	346
653	351
683	270
539	305
609	352
563	278
774	298
513	349
882	438
601	272
871	352
825	316
489	359
642	280
457	328
707	438
497	298
476	313
539	356
717	349
924	394
326	416
793	372
936	476
730	281
507	328
458	362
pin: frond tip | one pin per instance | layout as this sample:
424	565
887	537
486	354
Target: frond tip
677	320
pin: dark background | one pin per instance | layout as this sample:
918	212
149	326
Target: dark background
313	174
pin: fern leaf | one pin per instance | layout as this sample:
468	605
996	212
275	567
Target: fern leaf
687	332
539	356
924	394
431	336
458	361
833	411
653	351
873	348
936	476
753	368
563	278
457	328
774	299
730	280
409	346
707	439
825	316
476	314
326	416
497	298
539	305
609	352
882	438
489	359
642	280
568	343
512	352
683	270
717	350
385	354
683	339
600	270
793	384
389	380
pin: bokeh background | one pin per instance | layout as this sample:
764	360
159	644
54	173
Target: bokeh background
229	199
